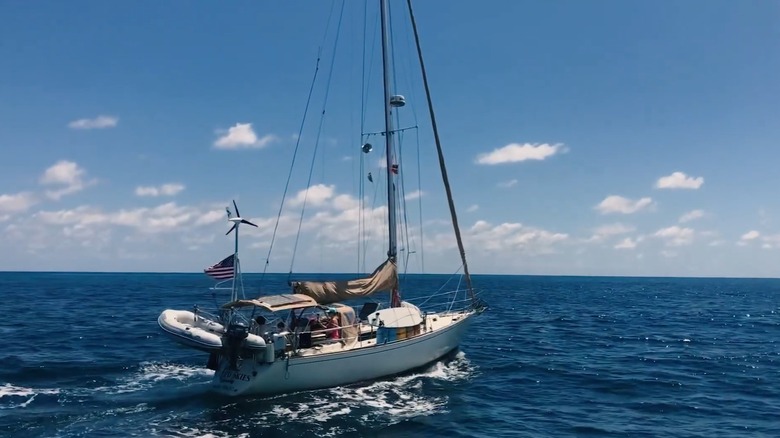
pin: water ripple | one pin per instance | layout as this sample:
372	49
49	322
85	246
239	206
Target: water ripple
554	356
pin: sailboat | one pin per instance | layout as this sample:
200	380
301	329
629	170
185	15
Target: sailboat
310	336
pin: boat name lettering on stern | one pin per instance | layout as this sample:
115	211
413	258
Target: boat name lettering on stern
233	375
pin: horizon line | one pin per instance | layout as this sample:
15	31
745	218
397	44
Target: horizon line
416	273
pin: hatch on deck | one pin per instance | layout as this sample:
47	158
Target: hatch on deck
396	317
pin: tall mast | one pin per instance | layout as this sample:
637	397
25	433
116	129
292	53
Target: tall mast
440	153
392	250
234	292
392	247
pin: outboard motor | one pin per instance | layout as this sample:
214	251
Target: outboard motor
235	335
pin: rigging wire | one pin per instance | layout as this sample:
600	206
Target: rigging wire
442	166
413	99
363	232
400	194
419	201
292	166
297	144
361	175
403	207
317	138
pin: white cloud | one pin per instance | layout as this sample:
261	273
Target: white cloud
748	237
619	204
314	195
512	237
628	243
345	202
99	122
605	231
613	229
414	195
772	241
242	136
16	203
472	208
515	152
691	215
211	217
162	218
64	173
679	180
675	235
111	235
163	190
508	184
751	235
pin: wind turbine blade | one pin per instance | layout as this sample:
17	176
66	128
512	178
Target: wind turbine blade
231	229
244	221
236	206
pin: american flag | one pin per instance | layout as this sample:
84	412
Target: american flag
222	270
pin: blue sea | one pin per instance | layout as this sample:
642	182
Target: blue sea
82	355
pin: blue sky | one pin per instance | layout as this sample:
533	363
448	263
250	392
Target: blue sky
584	138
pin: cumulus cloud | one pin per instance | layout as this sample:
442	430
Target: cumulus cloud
314	195
210	217
164	190
679	180
748	237
751	235
66	174
619	204
513	237
16	203
675	235
99	122
771	241
414	195
508	184
606	231
472	208
613	229
113	233
516	152
691	215
242	136
335	224
162	218
628	243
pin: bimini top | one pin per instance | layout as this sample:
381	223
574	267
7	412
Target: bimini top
275	303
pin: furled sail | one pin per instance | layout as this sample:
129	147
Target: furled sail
384	278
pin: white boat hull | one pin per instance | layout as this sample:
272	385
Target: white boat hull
188	329
200	333
298	373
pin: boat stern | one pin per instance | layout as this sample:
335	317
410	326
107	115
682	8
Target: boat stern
248	376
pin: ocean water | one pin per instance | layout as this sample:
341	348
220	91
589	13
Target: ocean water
82	355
